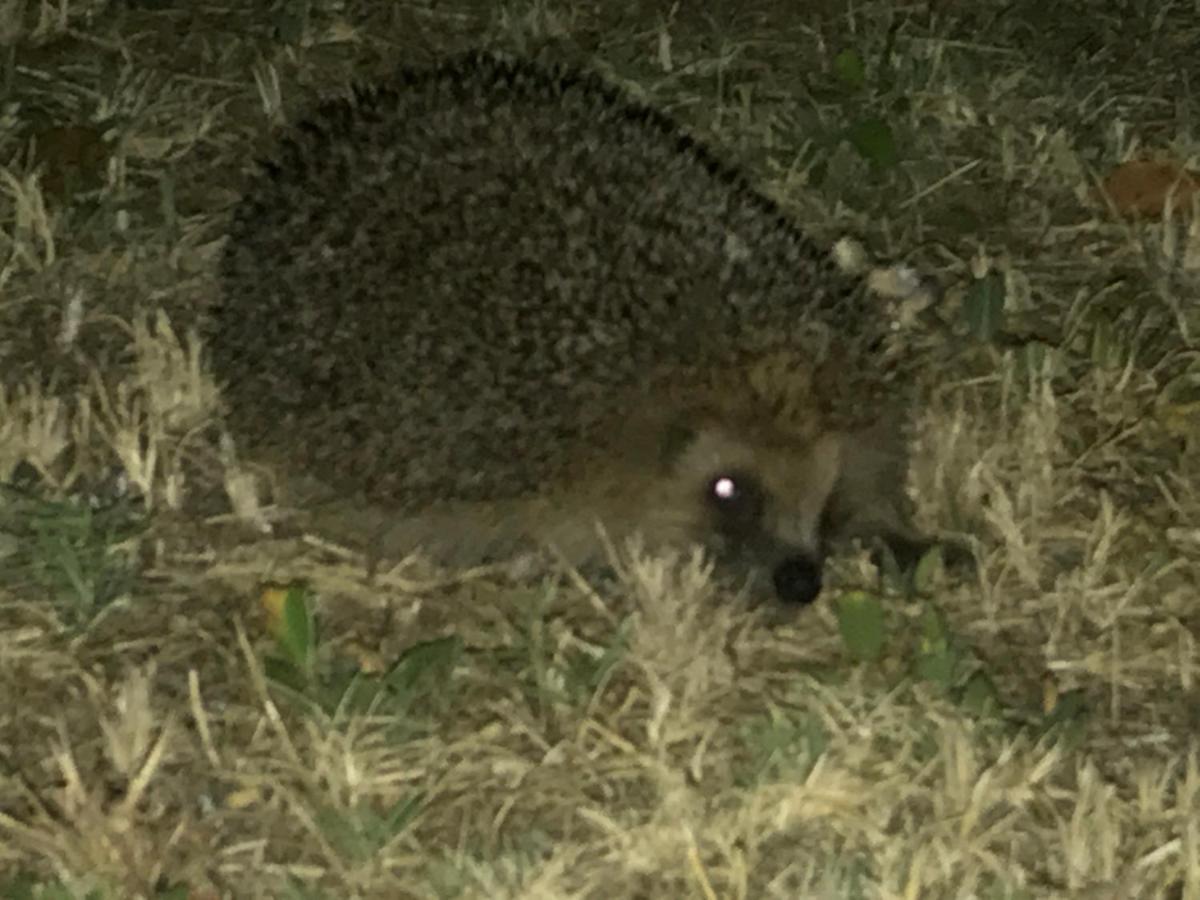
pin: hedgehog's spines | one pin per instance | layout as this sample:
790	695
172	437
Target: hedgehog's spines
458	286
504	71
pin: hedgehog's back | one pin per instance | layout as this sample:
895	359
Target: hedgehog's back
435	289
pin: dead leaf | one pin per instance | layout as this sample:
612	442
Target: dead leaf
71	157
244	798
1141	187
272	599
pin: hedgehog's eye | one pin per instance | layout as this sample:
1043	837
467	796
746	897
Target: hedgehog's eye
737	499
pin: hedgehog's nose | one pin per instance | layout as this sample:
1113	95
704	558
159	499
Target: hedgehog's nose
797	580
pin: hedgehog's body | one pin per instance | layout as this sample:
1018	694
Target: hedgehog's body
487	282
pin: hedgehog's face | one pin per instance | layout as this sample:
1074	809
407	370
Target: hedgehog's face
768	501
757	498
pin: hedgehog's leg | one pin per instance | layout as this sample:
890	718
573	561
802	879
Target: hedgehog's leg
887	531
869	503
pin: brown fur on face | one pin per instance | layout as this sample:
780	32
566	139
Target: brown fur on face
808	489
657	474
791	476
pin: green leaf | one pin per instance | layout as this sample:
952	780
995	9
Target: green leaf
1071	706
1068	719
425	665
781	745
937	667
983	306
873	139
849	68
927	570
980	695
19	887
360	832
349	690
937	659
285	673
935	633
861	623
297	639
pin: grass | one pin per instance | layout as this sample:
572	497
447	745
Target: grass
200	699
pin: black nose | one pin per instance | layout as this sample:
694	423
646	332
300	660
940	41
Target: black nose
797	580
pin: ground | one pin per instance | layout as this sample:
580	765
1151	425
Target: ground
172	725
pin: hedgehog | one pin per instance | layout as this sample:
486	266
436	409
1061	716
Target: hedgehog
513	307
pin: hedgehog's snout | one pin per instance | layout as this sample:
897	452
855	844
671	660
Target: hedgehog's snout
781	547
797	579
